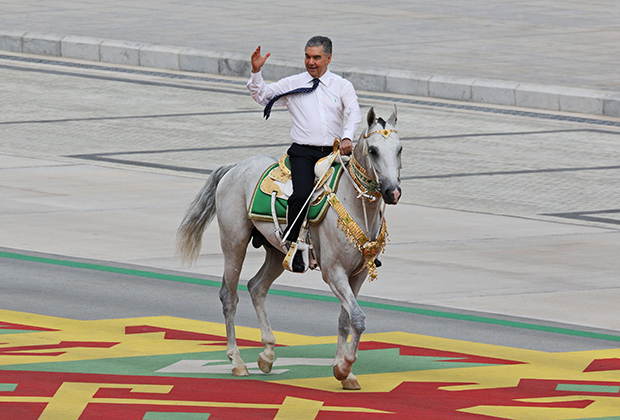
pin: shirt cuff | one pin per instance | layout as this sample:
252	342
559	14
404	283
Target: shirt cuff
256	77
348	135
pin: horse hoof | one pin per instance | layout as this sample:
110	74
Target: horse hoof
339	373
351	383
240	371
264	365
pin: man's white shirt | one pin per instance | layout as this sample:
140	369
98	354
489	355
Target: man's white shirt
332	101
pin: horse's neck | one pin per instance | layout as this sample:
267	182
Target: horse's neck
361	210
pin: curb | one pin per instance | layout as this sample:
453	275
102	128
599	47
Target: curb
486	91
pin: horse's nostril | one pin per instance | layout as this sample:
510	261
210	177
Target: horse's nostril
391	195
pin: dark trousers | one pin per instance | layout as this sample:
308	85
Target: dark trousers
302	158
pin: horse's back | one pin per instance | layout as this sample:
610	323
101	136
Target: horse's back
237	186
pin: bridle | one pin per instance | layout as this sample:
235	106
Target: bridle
384	132
368	189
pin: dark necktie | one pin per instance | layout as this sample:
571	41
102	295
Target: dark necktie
267	112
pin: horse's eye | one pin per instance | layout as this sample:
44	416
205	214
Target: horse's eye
372	150
400	149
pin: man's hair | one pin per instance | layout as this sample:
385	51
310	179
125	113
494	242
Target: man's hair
320	41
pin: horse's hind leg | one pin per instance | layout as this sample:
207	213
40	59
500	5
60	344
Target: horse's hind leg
234	245
258	287
229	299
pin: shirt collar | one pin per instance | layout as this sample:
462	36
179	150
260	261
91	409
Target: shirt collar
325	79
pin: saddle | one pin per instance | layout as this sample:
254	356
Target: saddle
275	186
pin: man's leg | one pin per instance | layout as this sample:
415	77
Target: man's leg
302	161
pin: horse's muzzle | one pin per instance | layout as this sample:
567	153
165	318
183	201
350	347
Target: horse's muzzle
391	195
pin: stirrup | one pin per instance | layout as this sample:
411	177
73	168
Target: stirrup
313	263
297	247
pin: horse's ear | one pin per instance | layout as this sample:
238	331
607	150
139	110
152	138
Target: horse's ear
371	117
392	119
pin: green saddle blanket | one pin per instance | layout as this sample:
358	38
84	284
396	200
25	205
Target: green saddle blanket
277	178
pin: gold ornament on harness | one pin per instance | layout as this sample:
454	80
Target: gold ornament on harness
355	235
384	132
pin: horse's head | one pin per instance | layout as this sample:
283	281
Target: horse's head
378	151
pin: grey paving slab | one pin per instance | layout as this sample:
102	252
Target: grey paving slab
531	51
502	211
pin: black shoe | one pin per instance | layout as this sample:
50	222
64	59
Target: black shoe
298	265
378	263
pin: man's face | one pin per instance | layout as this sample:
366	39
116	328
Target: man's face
317	61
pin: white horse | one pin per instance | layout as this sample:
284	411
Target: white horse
227	193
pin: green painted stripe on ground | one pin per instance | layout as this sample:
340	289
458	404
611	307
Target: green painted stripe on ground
588	388
117	270
3	331
312	296
602	418
8	387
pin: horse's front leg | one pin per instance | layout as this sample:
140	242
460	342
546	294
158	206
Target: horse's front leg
258	287
344	328
352	320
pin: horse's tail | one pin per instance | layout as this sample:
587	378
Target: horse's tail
198	216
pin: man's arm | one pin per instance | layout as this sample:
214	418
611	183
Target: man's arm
354	116
258	61
259	91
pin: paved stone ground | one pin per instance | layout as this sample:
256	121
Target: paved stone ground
513	213
569	43
465	160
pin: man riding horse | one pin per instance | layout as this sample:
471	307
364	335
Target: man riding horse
318	102
353	231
